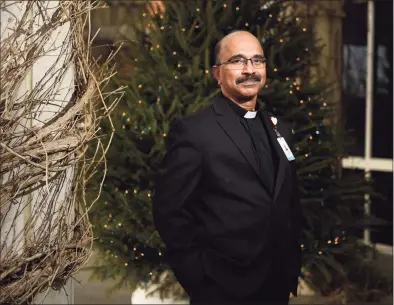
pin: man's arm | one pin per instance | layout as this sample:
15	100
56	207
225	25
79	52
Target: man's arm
180	175
296	220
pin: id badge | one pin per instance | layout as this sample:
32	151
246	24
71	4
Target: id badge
286	149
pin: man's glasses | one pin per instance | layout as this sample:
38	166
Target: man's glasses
236	63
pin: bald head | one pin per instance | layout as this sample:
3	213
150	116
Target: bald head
234	37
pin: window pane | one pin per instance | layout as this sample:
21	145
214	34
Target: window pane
354	54
382	137
383	207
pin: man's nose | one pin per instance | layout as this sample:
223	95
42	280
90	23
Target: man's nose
248	67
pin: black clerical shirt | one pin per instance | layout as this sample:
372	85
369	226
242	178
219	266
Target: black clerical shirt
262	149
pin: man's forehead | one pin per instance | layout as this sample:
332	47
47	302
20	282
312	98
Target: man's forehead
241	44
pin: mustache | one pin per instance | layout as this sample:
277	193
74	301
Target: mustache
245	78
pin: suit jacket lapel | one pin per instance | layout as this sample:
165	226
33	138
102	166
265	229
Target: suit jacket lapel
283	162
228	120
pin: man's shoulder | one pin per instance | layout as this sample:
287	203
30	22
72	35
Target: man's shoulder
199	116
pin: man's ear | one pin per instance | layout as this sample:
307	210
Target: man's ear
216	73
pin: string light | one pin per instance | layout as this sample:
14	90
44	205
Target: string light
126	264
140	86
124	114
225	5
304	29
237	8
275	69
301	102
164	135
197	9
281	40
270	15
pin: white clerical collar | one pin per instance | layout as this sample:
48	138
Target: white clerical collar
250	115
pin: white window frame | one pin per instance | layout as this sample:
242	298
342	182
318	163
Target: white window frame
367	162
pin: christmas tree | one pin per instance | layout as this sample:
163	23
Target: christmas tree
171	76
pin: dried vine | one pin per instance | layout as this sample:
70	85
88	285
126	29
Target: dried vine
46	235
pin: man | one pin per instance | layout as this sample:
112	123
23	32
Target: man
226	204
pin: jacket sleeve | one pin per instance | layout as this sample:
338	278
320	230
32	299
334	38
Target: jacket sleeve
296	222
180	175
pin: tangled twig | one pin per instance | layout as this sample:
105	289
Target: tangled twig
46	125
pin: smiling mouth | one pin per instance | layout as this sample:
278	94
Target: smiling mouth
250	82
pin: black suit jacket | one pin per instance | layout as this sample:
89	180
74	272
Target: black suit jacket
212	209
